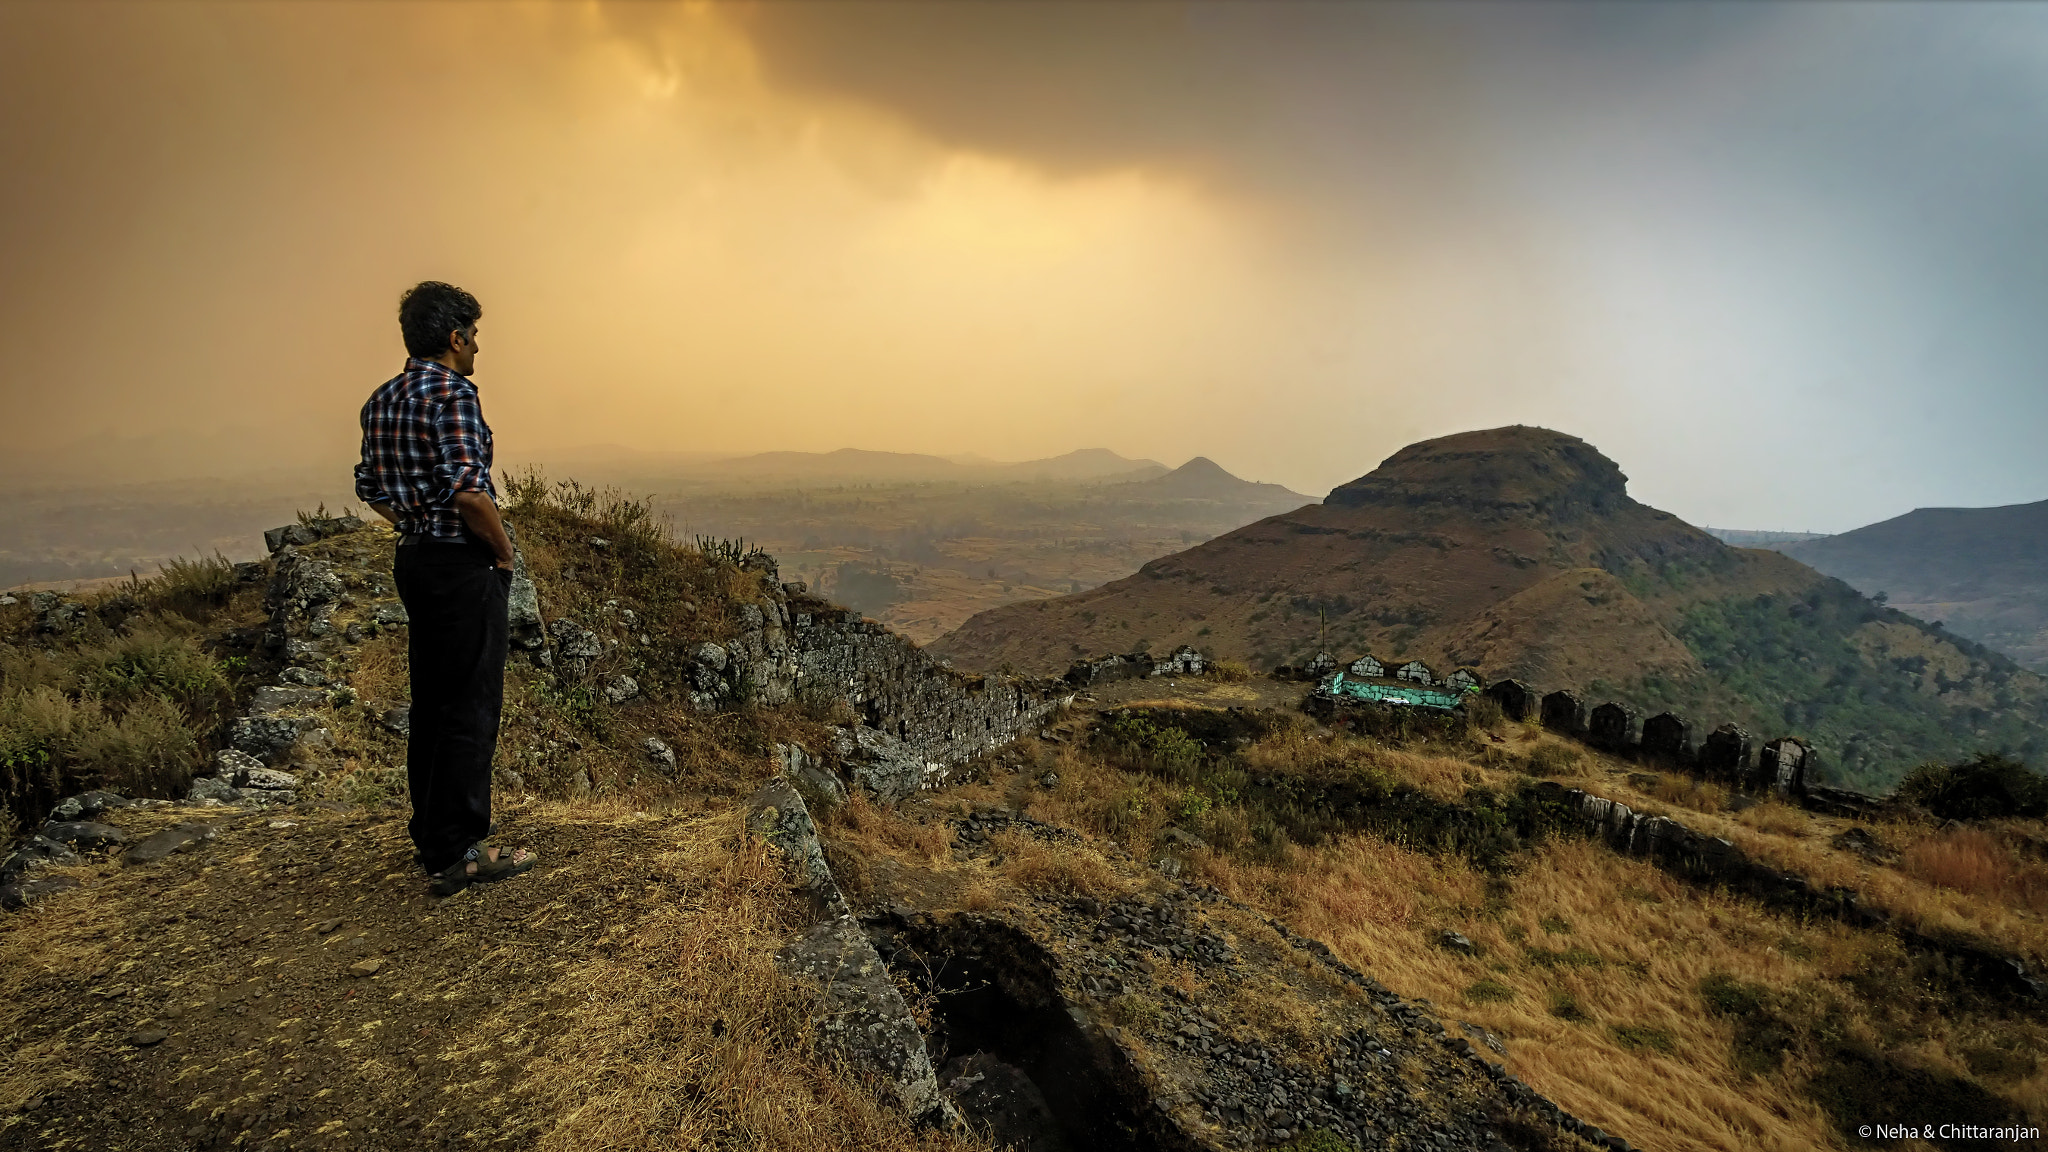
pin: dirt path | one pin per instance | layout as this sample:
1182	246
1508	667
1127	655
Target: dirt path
291	984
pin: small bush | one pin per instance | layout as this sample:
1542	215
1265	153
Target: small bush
1633	1036
1565	1006
1554	760
1488	992
2000	1064
1986	786
1229	671
1132	1010
1568	958
187	584
1726	996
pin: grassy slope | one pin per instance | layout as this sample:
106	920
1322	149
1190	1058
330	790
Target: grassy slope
1603	971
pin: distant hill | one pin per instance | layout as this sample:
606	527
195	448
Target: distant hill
1084	464
1754	538
858	465
1519	551
1982	572
1204	479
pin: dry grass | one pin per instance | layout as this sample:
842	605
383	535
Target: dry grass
1682	791
1054	870
1796	841
1974	862
1629	967
1230	671
861	824
688	1036
1618	940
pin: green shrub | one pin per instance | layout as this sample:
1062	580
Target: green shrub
1726	996
1565	1006
185	585
1488	992
1634	1036
149	663
1983	787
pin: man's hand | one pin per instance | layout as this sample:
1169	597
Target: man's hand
482	517
387	512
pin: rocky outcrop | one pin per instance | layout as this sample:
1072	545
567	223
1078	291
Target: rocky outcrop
917	717
861	1014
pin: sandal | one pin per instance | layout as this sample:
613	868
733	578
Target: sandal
420	862
478	867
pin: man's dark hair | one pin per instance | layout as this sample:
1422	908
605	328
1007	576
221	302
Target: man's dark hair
429	311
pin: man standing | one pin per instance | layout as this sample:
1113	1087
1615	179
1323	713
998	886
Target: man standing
426	468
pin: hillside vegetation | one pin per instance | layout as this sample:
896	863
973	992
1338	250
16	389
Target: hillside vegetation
1518	551
1982	572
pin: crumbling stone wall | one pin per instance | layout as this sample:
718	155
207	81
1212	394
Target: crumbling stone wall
798	648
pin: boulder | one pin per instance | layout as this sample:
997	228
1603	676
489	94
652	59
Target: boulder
1782	766
84	835
621	689
177	838
265	779
33	853
1456	942
271	738
661	755
290	535
228	763
271	699
809	771
213	788
1182	661
575	643
1724	755
398	719
522	613
87	805
304	654
1001	1100
880	764
19	891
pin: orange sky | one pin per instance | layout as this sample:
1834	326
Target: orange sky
738	229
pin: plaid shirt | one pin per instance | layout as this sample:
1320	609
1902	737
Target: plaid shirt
424	440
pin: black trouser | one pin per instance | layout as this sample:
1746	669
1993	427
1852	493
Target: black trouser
455	598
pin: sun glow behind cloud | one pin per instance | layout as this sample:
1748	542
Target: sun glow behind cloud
1290	237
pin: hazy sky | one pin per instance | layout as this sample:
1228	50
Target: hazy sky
1788	264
